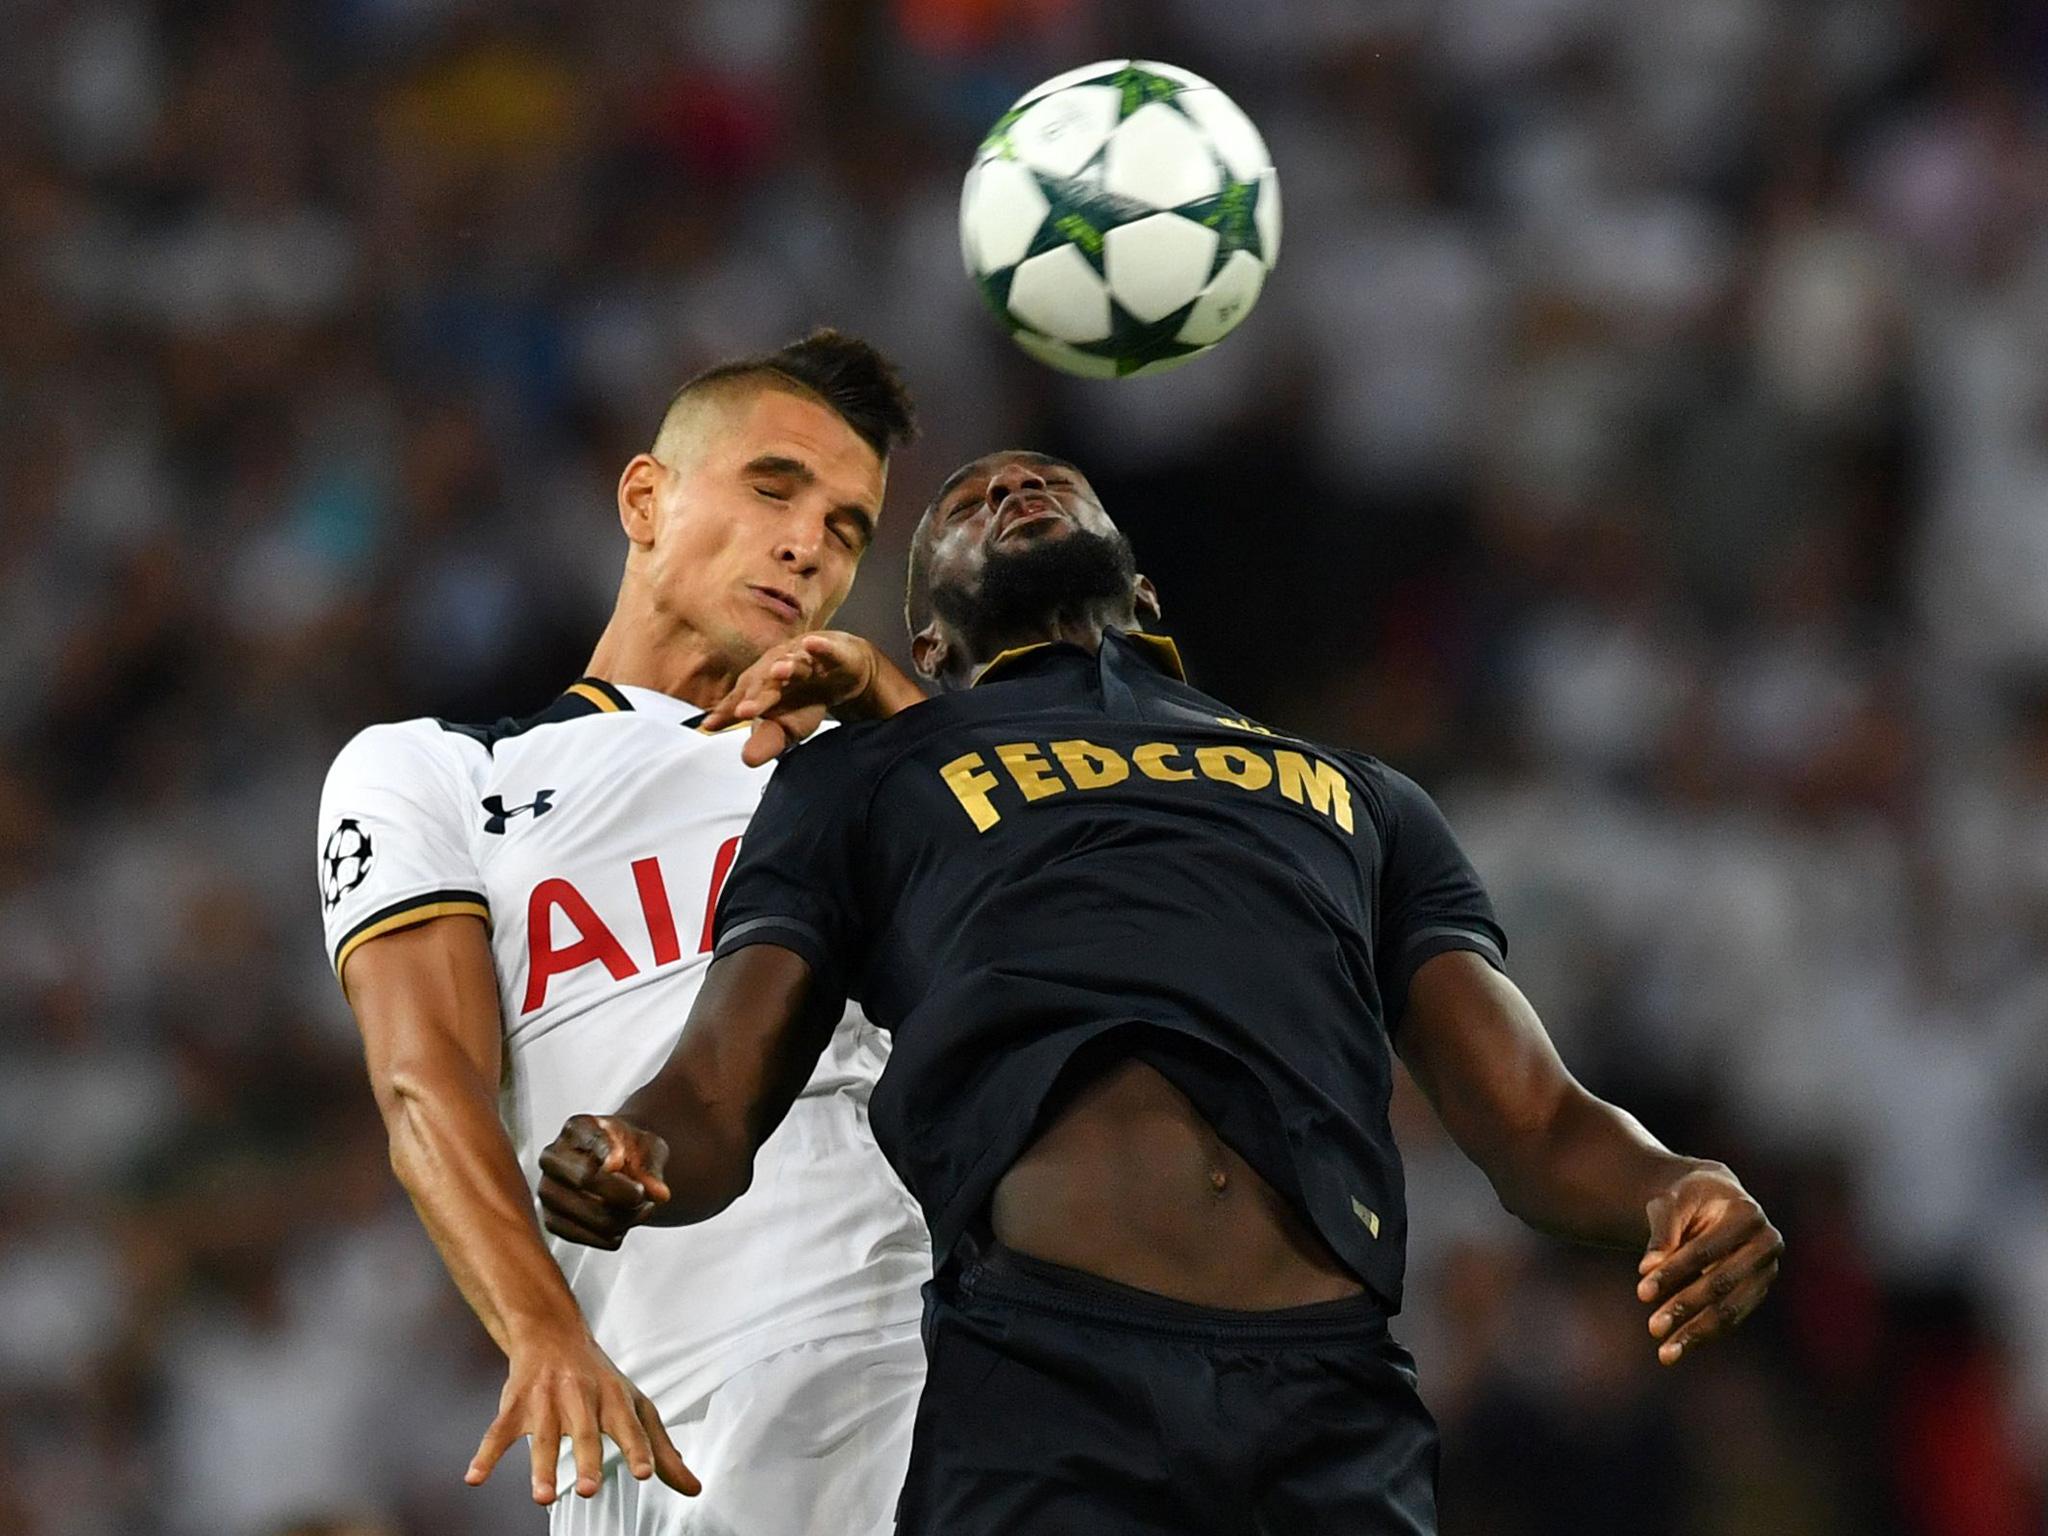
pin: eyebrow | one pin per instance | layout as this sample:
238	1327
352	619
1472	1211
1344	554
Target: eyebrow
966	471
803	474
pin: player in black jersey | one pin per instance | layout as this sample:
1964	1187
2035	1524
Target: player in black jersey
1146	963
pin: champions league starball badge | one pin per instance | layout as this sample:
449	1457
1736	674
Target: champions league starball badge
345	861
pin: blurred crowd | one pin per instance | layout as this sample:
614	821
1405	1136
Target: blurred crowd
1643	441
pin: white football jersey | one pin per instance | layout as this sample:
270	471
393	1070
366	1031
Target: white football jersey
593	839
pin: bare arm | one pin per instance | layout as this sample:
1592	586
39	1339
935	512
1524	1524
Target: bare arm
681	1149
1576	1166
426	999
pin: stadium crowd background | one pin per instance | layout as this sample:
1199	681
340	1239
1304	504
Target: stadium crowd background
1644	442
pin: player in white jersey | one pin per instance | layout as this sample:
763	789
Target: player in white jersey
519	915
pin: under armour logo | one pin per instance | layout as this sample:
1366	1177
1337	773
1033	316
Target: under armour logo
499	818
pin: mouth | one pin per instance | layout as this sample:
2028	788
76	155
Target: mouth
778	602
1024	509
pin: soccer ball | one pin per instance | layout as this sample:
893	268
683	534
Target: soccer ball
1121	218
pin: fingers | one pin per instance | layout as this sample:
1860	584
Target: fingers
585	1444
637	1163
546	1442
578	1392
788	684
572	1213
775	734
1722	1317
1710	1288
1728	1228
819	670
620	1418
1666	1232
765	742
579	1151
584	1203
496	1441
668	1462
567	1213
576	1232
1720	1300
800	724
767	684
606	1158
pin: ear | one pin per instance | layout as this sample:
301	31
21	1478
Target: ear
929	652
639	485
1145	600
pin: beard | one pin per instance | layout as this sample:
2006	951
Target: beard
1023	590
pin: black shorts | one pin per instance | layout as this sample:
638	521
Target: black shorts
1060	1404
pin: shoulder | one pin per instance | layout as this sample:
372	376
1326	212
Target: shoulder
401	753
585	699
407	774
1399	805
429	746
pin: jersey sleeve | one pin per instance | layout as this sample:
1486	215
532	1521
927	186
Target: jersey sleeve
1431	899
794	883
393	847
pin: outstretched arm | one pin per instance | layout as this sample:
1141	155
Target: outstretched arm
681	1149
427	1000
1574	1165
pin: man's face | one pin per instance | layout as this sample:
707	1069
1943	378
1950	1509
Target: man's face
1005	503
1013	539
748	527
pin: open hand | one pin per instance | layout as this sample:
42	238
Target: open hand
562	1383
1712	1256
600	1179
789	690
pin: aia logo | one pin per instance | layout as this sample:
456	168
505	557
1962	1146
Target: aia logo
497	818
592	940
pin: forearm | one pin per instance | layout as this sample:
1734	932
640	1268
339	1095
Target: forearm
1575	1166
457	1165
1587	1172
1559	1158
751	1043
708	1165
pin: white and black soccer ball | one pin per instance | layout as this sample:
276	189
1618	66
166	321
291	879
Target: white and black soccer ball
1121	218
345	860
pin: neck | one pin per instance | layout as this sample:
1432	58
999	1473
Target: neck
1084	629
645	648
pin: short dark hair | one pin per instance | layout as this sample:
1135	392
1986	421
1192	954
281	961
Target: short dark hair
848	374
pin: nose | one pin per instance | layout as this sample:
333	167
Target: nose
1012	478
799	547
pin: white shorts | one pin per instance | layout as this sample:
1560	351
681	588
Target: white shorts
809	1442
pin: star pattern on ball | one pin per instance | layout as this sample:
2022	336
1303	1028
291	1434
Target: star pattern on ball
1121	218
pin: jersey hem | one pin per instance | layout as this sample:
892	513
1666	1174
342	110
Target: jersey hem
1424	947
671	1392
407	913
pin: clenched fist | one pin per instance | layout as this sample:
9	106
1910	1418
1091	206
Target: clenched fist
600	1179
